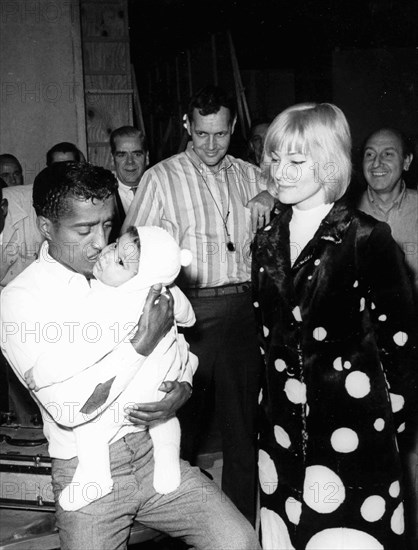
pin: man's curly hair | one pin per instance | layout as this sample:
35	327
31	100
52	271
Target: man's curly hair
60	181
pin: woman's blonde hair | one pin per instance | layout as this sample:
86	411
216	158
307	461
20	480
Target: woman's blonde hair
321	131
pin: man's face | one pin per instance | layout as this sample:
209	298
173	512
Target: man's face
211	135
384	162
130	160
62	156
77	239
11	172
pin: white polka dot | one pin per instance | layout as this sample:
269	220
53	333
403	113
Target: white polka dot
347	365
338	364
401	428
308	410
317	262
357	384
261	269
397	523
362	304
309	277
379	424
355	285
267	228
279	365
260	396
256	304
293	510
373	305
344	440
323	490
342	538
397	402
267	473
282	437
382	317
265	331
262	351
395	489
295	391
296	314
274	532
400	338
373	508
319	334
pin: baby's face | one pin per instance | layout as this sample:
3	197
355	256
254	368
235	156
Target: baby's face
118	262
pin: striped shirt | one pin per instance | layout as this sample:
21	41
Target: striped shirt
184	197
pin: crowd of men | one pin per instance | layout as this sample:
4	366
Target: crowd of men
212	203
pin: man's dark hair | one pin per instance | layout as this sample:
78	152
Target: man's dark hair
403	138
127	131
208	101
7	157
63	147
62	180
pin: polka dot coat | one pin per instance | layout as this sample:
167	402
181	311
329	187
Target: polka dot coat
338	338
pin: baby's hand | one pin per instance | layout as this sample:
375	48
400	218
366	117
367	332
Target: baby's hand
30	380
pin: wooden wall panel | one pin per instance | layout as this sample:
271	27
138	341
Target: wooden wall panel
107	74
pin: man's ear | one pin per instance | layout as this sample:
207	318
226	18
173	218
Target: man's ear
186	124
233	125
407	162
44	226
146	159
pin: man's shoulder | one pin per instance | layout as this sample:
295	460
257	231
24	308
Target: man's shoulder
27	280
167	163
243	163
412	197
19	195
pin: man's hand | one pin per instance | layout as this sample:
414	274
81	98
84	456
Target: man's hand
261	206
156	320
143	414
30	380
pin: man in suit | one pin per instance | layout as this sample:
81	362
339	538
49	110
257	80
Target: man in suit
130	159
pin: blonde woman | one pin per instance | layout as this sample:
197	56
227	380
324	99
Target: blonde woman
335	308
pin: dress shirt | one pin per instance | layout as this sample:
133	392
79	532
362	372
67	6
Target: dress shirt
182	195
21	238
402	217
36	309
126	194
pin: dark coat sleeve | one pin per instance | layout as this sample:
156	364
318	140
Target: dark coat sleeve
393	316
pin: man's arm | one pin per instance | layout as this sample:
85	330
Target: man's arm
92	390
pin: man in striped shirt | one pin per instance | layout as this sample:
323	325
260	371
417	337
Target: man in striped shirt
211	203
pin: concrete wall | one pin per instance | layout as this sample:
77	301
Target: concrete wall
41	79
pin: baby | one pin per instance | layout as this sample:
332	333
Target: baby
125	270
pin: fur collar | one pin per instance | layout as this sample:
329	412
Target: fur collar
273	247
